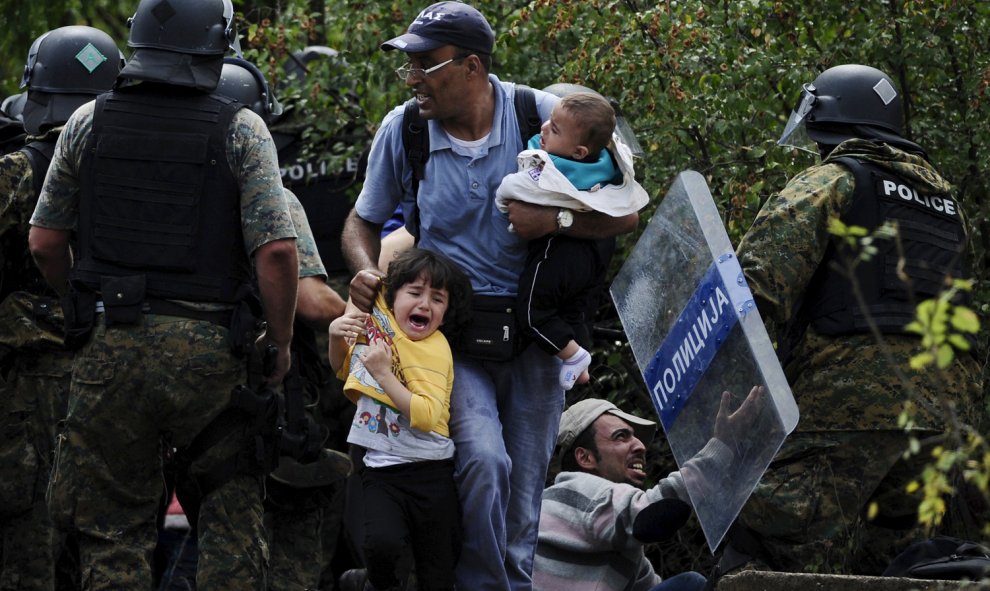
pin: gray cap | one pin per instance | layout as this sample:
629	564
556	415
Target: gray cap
582	414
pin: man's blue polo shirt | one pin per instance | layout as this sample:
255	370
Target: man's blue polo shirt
457	212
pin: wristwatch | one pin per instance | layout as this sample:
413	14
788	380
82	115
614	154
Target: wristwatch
565	218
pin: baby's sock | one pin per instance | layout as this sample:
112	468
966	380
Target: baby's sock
573	367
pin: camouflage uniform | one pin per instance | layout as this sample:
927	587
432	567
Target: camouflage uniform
337	413
34	391
294	516
327	193
809	510
310	263
294	526
166	377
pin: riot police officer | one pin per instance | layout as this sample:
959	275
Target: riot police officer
302	487
66	67
326	183
810	509
179	195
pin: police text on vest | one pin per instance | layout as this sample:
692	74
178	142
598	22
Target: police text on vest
934	202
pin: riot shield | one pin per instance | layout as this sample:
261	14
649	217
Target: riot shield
695	332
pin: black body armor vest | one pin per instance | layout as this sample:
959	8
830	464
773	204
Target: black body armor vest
158	197
932	236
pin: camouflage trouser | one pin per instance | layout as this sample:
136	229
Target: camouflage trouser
32	402
303	523
338	414
131	386
337	553
295	536
809	512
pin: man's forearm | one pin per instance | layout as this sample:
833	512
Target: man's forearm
360	243
533	221
593	225
318	304
50	250
278	277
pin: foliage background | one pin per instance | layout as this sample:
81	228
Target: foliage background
706	84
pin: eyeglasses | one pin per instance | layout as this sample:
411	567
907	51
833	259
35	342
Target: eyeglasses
405	71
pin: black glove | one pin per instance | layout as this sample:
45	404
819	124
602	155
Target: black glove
661	520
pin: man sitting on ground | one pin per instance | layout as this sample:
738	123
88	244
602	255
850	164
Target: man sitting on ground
596	518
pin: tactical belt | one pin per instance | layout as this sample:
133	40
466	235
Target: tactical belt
168	308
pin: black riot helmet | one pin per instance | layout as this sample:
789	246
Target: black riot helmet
196	27
243	81
65	68
72	60
180	42
844	102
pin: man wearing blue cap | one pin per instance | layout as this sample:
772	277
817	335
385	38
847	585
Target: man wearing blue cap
505	410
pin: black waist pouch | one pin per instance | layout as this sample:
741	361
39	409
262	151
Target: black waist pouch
492	334
79	309
123	298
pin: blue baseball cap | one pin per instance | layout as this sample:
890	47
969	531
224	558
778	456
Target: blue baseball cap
446	23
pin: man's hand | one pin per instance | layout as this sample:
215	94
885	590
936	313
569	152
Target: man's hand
361	245
731	428
282	361
364	288
532	221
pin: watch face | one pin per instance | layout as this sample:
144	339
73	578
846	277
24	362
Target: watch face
565	218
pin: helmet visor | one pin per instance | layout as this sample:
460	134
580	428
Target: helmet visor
230	29
795	134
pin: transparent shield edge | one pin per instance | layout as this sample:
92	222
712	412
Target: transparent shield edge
689	190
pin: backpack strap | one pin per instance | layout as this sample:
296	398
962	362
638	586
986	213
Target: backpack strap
416	140
527	115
